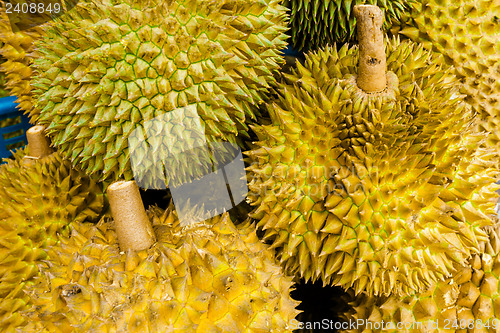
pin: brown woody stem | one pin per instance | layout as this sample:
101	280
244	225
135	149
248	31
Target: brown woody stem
38	143
132	225
372	61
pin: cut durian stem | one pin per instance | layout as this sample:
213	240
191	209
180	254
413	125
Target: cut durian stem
132	225
38	143
372	60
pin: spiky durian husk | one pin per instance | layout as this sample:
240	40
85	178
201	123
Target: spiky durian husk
3	90
48	189
20	252
468	302
105	68
467	33
38	201
483	93
15	47
317	23
384	192
206	278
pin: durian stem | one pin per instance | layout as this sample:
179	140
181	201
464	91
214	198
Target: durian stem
372	61
132	225
38	143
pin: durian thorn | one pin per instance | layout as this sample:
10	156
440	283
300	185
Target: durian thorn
372	60
133	228
38	143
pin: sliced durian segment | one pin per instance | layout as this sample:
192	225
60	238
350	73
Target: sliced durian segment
105	68
382	192
210	277
39	199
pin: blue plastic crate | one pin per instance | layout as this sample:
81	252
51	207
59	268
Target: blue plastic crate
13	126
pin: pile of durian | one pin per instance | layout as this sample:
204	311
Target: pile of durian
371	164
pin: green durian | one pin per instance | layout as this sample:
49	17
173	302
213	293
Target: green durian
467	34
38	201
380	192
107	67
317	23
15	46
208	277
468	302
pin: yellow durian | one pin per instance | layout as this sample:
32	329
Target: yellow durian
39	199
385	192
208	277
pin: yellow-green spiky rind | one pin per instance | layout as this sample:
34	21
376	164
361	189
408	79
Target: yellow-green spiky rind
211	277
469	302
385	192
3	90
467	33
317	23
49	189
38	201
105	68
20	252
15	47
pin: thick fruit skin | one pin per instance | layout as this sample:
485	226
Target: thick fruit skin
16	46
467	34
38	201
48	188
105	68
211	277
3	90
468	302
317	23
384	193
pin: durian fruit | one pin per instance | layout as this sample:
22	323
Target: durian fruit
49	189
317	23
468	302
38	201
21	249
3	90
207	277
467	33
107	67
15	46
384	192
